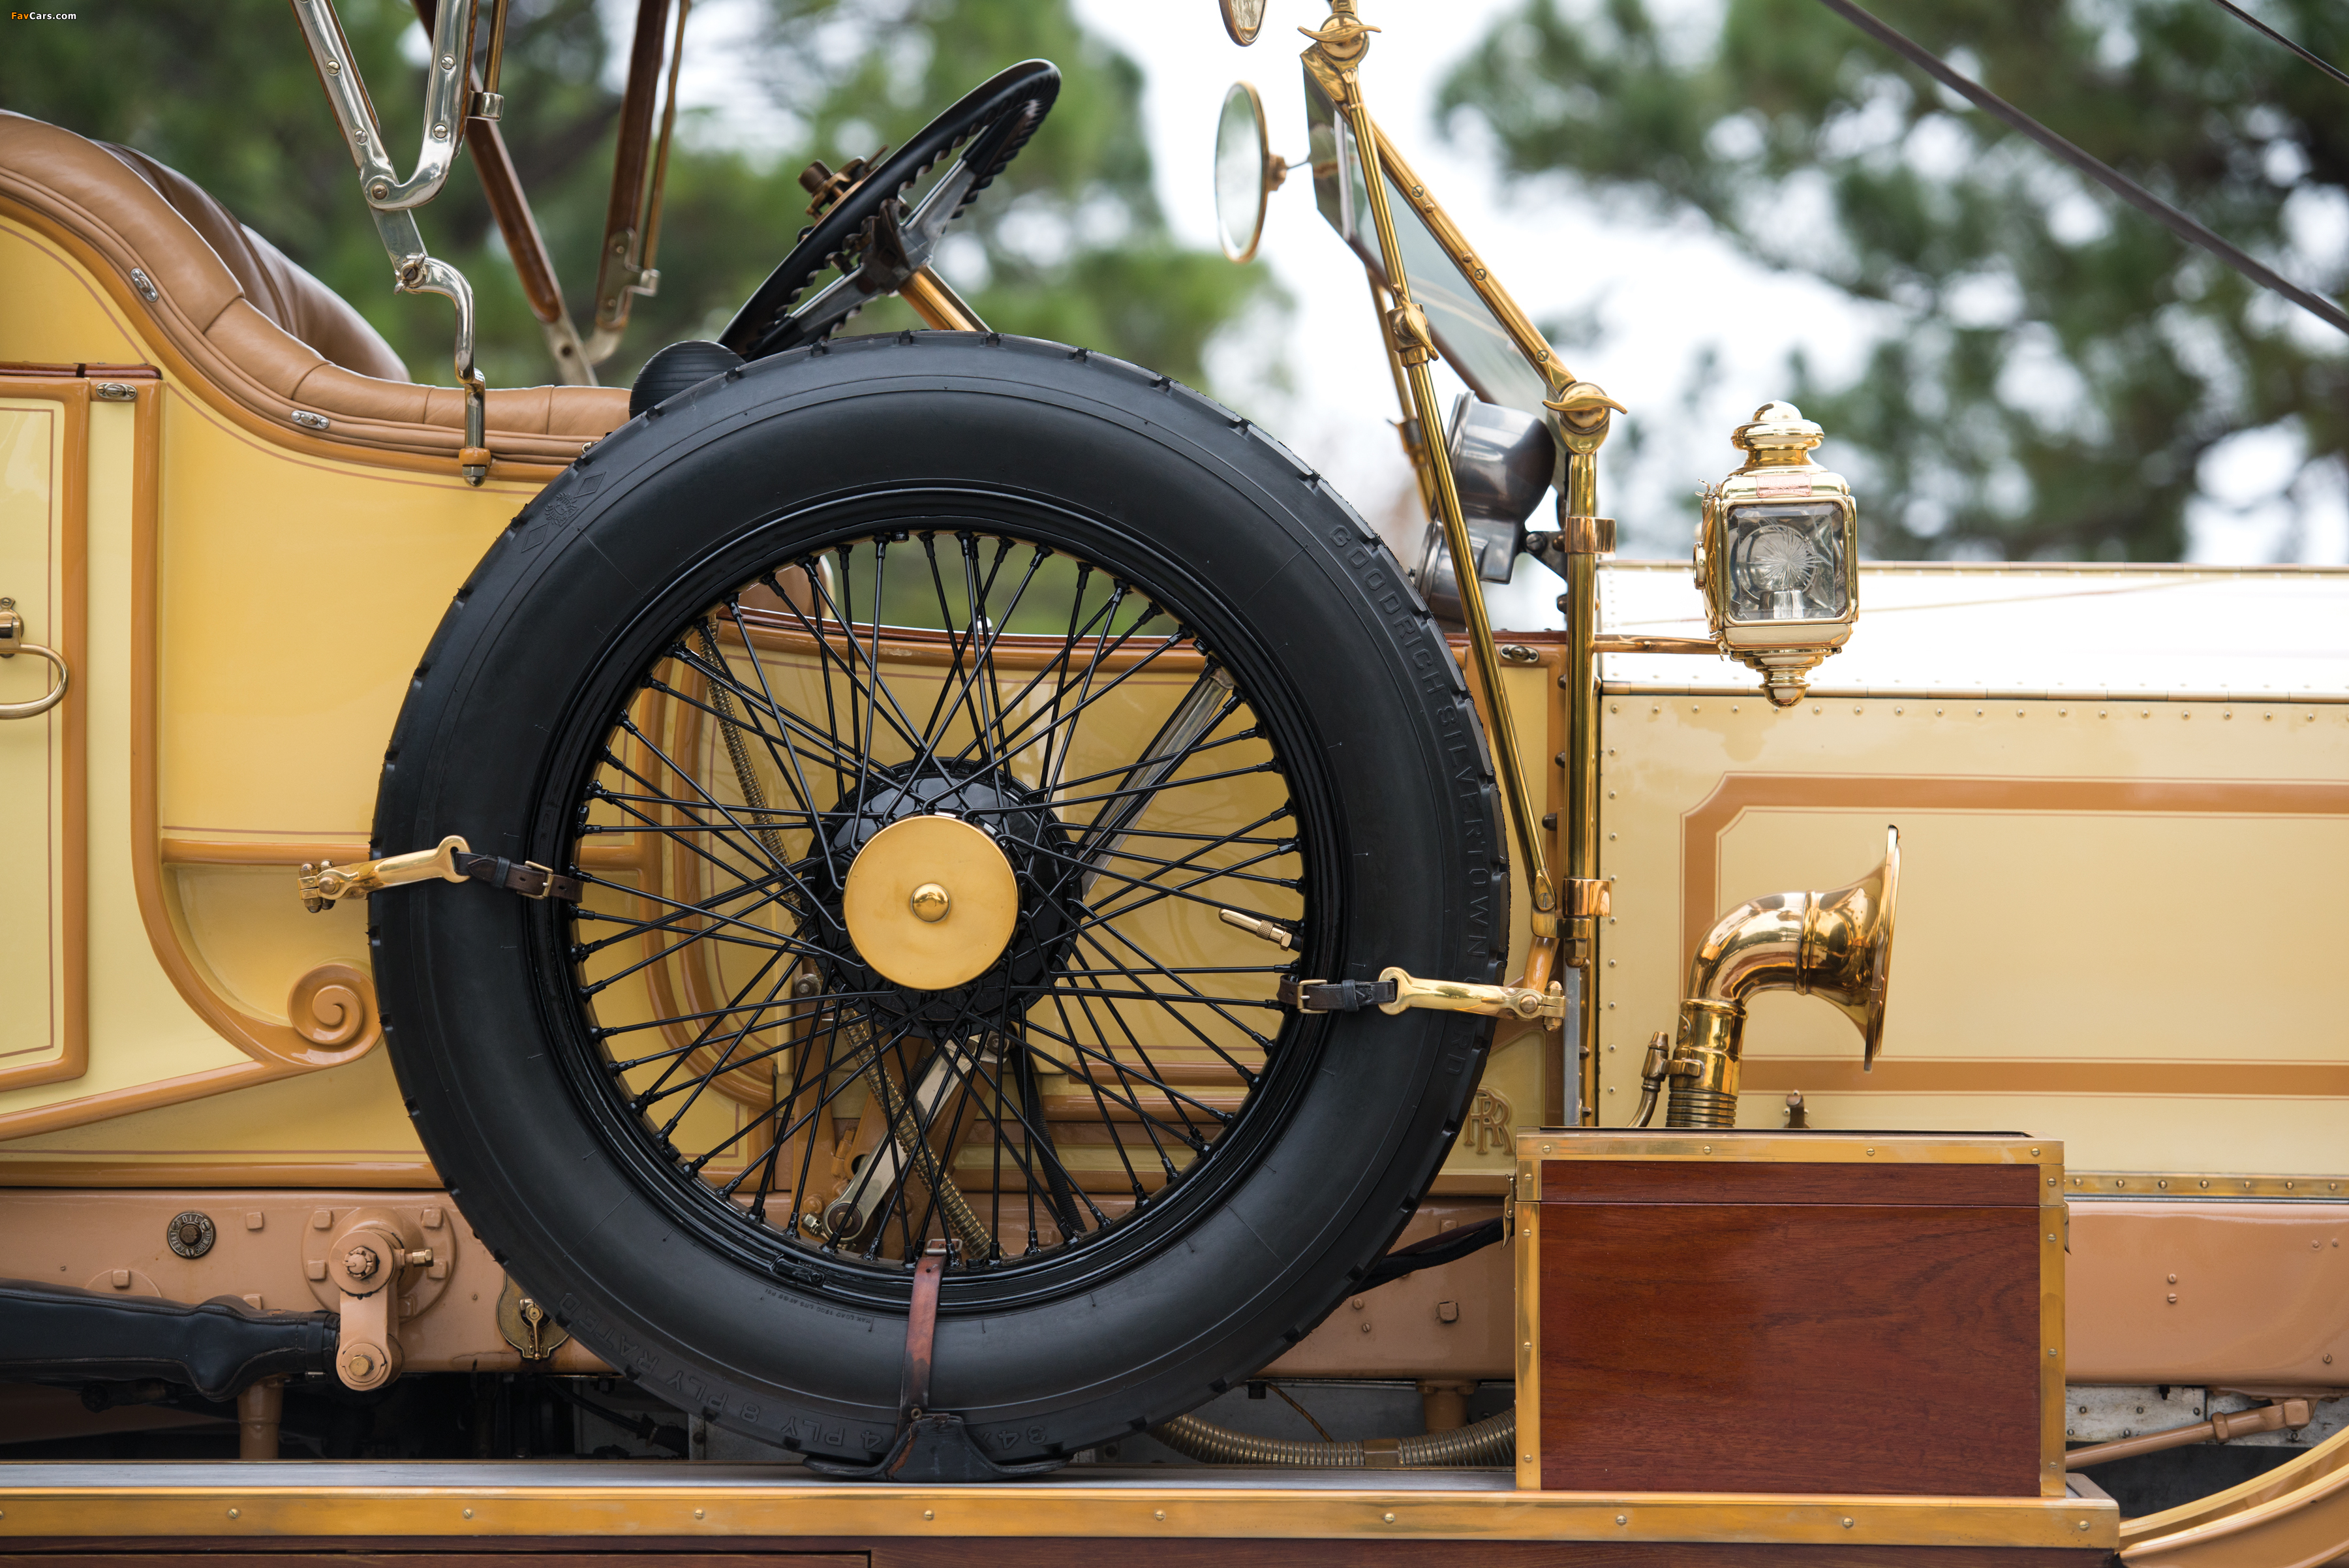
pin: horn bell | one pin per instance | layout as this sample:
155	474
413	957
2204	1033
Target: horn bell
1836	945
1846	956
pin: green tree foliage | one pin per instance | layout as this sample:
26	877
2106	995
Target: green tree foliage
2051	366
1069	245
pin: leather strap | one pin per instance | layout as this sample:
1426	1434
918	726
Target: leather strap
527	878
1335	995
921	1332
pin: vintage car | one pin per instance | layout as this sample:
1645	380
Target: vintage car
937	910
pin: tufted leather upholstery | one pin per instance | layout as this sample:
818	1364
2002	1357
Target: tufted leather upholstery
257	328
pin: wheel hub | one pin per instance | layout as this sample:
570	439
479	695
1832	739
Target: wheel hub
930	902
955	884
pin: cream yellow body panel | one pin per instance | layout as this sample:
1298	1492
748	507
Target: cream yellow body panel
252	615
2111	926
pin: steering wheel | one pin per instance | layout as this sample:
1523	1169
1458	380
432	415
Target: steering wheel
870	235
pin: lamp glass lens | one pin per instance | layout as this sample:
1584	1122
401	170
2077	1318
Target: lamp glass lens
1786	561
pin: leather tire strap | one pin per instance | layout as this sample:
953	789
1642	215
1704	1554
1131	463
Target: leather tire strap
921	1334
527	878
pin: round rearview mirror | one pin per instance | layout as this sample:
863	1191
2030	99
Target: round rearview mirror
1244	172
1242	18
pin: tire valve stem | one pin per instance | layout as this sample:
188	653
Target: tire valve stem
1278	935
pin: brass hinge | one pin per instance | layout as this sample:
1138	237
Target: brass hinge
451	860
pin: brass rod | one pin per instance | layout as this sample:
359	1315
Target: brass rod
499	10
1580	684
938	305
1615	642
1407	430
648	247
1523	818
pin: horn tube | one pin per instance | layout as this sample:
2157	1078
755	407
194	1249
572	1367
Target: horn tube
1837	946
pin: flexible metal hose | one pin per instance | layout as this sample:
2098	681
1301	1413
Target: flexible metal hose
1489	1442
753	796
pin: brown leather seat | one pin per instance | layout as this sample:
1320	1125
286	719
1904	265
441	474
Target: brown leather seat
257	328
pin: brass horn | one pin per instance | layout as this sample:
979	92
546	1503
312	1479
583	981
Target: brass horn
1836	945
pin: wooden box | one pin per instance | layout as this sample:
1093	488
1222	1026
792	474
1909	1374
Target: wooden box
1789	1312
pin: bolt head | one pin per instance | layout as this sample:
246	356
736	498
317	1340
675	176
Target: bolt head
361	1263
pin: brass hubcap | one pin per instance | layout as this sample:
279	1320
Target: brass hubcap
930	902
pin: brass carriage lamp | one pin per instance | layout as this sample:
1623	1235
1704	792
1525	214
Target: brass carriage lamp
1777	553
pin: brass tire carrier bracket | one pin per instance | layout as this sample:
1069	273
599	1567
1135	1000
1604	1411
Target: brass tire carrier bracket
451	860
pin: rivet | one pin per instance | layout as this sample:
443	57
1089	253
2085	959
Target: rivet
1622	1519
1847	1524
1871	1152
1545	1148
1708	1149
2084	1524
469	1514
2173	1298
1160	1514
234	1514
2035	1154
1388	1517
697	1513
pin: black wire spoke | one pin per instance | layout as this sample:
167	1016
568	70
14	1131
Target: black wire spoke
1122	1032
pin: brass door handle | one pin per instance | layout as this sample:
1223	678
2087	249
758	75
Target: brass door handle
12	630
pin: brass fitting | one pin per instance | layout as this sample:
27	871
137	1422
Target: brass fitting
1836	945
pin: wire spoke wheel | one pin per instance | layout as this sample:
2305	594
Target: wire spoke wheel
913	712
1037	1026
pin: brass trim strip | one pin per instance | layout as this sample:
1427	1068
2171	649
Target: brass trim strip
1526	1215
2054	1241
251	1512
1813	1149
2296	698
70	618
2142	1184
229	1172
1995	1075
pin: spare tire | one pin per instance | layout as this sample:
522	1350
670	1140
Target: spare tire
1136	665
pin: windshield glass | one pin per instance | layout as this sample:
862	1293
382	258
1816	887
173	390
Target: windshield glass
1472	341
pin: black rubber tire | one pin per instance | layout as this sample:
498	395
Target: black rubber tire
1162	485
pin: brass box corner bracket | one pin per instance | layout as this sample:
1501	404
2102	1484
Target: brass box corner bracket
1835	945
